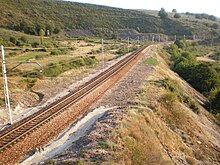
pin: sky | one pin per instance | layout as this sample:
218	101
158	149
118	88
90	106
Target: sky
211	7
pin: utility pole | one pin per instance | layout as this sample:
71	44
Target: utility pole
194	37
153	38
103	58
5	82
212	42
128	44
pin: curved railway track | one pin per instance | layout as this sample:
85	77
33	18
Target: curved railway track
21	129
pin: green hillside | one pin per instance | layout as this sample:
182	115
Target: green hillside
31	16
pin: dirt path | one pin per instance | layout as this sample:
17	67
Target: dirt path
206	58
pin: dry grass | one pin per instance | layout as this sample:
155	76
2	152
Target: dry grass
19	91
140	142
146	139
160	129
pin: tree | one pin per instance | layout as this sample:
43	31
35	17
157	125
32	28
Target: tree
176	15
24	39
179	43
41	33
162	13
38	27
174	11
198	16
13	40
212	17
56	30
215	26
49	29
115	35
205	78
214	98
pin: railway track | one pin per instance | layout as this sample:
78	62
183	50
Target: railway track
18	131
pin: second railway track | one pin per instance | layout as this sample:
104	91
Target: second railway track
18	131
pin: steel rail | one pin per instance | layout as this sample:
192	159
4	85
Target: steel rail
29	124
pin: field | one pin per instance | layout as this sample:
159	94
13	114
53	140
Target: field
63	61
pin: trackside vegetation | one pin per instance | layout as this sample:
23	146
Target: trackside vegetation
203	76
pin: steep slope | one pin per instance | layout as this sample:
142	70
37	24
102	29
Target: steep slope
155	128
30	16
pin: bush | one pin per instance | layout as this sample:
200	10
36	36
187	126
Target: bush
179	43
105	144
176	15
151	61
13	40
162	13
94	51
169	99
59	51
11	54
30	82
215	26
35	44
215	100
55	69
203	76
24	39
55	52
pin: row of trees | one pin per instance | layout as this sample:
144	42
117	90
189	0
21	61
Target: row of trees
206	16
36	29
163	14
204	77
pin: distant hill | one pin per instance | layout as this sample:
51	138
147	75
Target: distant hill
30	16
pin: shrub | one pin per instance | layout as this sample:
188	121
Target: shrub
55	52
162	13
105	144
151	61
215	26
55	69
35	44
176	15
179	43
13	40
215	100
11	54
169	99
30	82
24	39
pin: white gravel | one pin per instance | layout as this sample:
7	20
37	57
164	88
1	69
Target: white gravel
65	139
